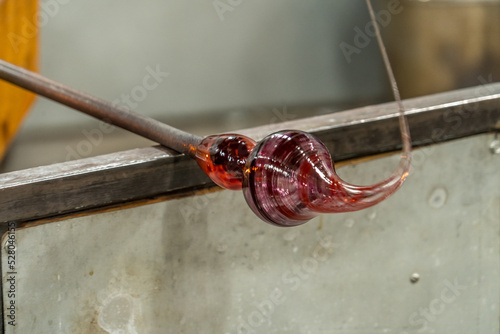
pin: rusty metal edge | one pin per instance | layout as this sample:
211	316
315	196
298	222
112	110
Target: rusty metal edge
140	174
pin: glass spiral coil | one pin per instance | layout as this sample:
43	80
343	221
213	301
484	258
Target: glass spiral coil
288	177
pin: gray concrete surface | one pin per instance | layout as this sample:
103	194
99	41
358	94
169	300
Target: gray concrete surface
206	264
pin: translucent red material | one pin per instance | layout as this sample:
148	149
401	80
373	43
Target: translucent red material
223	158
289	177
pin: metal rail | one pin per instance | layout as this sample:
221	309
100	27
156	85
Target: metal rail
142	174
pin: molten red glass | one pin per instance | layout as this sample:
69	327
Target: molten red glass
289	177
223	158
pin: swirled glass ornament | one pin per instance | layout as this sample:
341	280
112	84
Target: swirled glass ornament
289	177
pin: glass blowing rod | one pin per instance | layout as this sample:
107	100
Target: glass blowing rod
147	127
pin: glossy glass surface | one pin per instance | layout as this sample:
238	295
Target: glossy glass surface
290	178
223	158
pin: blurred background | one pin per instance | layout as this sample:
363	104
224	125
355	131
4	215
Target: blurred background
217	66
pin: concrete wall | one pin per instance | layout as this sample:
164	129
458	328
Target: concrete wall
426	260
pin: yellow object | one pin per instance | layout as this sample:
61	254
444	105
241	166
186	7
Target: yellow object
18	45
